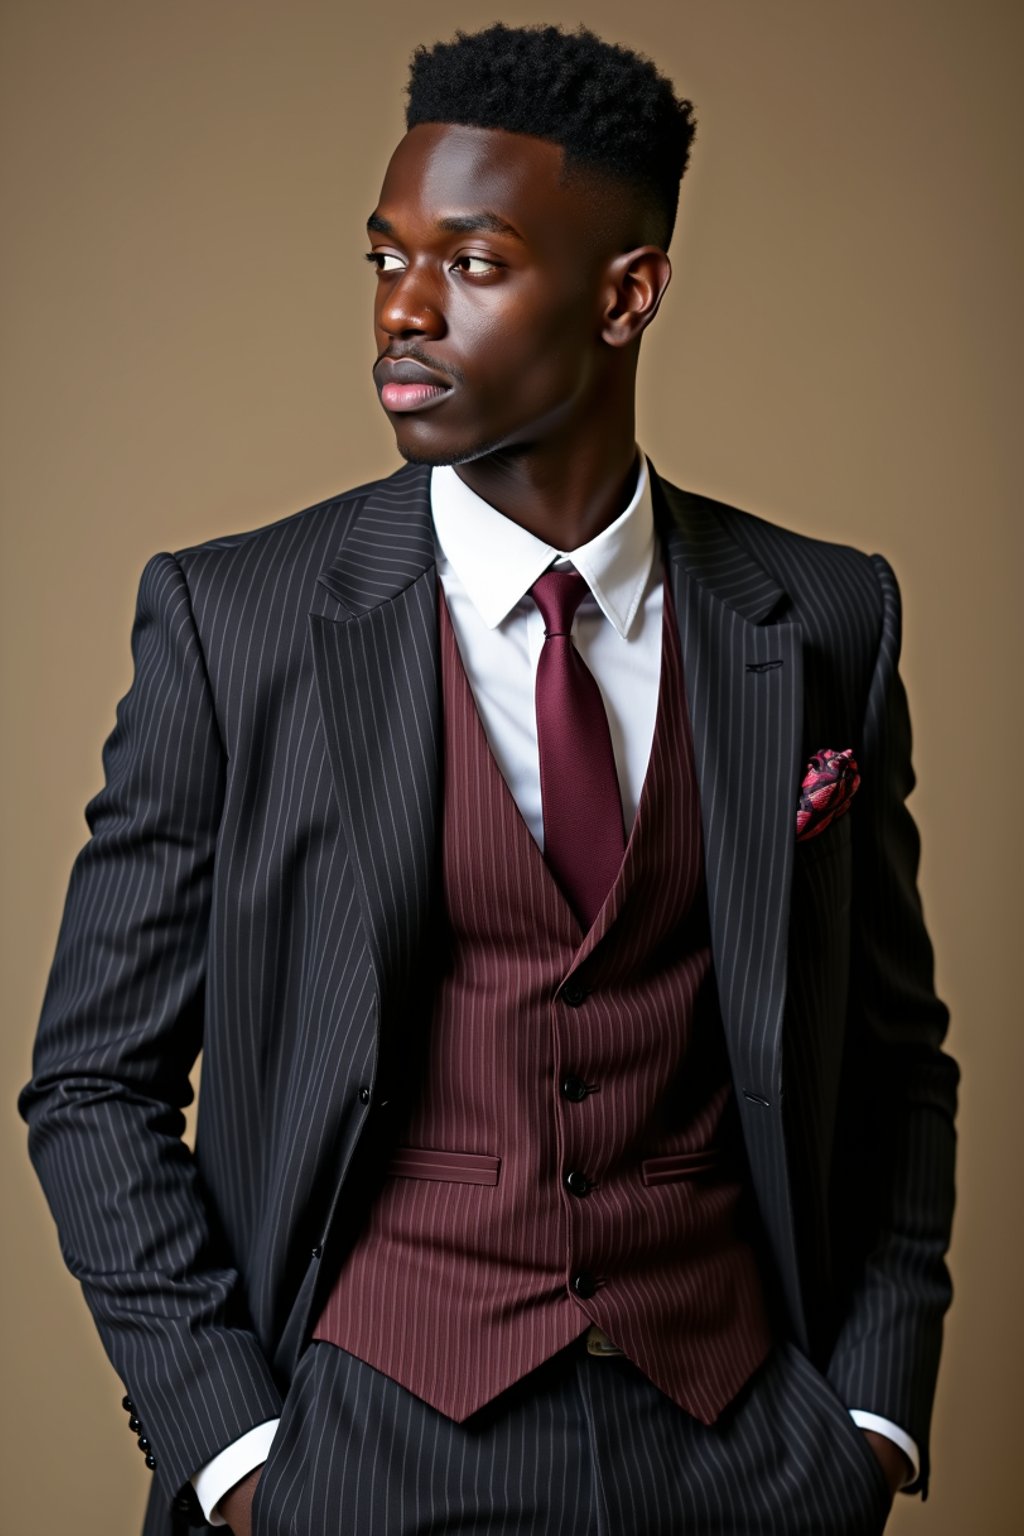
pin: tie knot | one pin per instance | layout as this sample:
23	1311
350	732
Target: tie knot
558	594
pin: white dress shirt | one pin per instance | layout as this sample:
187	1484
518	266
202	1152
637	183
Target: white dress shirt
487	564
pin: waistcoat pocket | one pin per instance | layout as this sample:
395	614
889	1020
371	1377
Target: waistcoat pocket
437	1163
679	1165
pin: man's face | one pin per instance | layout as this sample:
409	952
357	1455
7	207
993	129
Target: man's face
489	285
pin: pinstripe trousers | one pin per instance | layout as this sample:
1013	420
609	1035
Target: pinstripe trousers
582	1446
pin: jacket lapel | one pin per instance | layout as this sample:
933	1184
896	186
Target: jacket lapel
744	685
375	655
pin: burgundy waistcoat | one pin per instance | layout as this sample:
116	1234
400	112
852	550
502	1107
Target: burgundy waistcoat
573	1153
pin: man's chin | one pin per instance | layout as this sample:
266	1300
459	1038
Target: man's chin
436	457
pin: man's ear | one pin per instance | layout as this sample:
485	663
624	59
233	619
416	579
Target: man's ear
635	284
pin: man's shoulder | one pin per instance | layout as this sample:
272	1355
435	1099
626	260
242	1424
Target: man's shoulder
301	537
813	570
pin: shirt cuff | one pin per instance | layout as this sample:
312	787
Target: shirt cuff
230	1465
891	1431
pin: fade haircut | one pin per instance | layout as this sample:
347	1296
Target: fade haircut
608	107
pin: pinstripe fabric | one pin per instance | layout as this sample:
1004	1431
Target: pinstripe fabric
462	1279
259	880
579	1447
854	1170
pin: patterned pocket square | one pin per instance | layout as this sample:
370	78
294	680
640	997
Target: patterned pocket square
830	783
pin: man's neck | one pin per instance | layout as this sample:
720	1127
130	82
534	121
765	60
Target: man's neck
563	499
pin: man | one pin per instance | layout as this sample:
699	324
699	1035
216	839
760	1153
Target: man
523	840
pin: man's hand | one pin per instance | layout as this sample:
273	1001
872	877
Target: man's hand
236	1505
895	1463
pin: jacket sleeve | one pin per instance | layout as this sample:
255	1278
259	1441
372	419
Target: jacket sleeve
121	1027
895	1149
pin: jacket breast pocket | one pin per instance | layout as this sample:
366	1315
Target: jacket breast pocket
822	873
439	1163
834	840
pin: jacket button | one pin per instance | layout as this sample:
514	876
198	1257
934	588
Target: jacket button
577	1182
573	993
584	1283
364	1094
573	1087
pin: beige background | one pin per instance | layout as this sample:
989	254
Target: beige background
186	352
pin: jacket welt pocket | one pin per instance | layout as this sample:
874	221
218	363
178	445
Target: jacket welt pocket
679	1165
825	844
436	1163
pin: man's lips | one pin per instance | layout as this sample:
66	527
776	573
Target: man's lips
411	397
408	386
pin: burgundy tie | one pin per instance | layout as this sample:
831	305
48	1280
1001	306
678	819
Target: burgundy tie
583	832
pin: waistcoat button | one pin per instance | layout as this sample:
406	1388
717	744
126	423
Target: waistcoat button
573	993
584	1283
573	1087
364	1094
577	1182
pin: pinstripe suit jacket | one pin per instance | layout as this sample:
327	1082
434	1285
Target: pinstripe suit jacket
260	882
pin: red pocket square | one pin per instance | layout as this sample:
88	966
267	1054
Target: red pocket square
830	783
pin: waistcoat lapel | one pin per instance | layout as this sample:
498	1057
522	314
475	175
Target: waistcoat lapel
374	639
744	687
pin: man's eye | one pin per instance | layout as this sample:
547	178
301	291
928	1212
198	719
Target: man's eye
476	265
384	261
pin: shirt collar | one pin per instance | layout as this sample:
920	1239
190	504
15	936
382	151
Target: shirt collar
497	561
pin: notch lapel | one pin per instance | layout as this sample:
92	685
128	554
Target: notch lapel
375	656
744	686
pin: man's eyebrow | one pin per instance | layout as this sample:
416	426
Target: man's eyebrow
466	223
455	224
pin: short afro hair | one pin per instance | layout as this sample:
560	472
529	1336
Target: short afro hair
608	107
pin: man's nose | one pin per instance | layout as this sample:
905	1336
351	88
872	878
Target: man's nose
412	306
